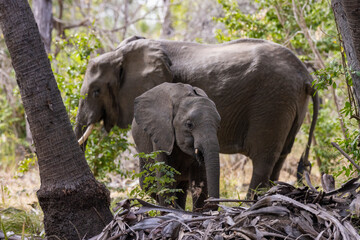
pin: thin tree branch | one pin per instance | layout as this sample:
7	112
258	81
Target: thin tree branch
65	25
282	22
299	17
346	155
134	21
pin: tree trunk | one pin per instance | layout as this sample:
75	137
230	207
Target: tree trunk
352	11
73	202
126	18
167	29
43	17
350	42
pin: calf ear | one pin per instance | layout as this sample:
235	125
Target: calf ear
194	90
153	112
200	92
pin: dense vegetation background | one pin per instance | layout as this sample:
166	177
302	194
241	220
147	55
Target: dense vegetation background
86	28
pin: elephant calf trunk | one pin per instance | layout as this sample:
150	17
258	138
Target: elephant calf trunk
212	165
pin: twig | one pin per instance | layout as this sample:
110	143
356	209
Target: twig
201	219
308	181
227	200
83	23
345	155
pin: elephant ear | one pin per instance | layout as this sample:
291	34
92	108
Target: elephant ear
129	39
153	112
199	91
145	62
102	77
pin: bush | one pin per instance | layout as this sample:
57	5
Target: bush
157	177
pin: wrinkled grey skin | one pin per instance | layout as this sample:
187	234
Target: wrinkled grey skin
177	118
261	91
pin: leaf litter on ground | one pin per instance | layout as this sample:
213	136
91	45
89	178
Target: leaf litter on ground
283	212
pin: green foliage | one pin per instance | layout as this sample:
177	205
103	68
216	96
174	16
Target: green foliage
26	164
327	130
275	20
103	149
4	192
350	146
157	179
12	129
69	67
239	24
179	12
326	77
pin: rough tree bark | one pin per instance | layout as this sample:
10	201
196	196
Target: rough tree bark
73	202
352	11
346	18
43	17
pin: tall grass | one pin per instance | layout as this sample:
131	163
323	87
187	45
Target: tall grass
20	222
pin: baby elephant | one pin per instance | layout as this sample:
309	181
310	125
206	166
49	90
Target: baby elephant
181	121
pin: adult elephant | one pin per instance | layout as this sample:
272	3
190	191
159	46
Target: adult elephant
260	89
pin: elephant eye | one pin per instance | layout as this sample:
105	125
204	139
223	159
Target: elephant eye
96	92
189	124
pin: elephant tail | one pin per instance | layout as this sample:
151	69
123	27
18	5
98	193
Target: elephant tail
304	162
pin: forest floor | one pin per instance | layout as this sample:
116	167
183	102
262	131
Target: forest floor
20	192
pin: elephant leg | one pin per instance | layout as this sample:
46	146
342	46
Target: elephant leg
263	166
198	185
286	149
266	140
264	155
276	170
181	196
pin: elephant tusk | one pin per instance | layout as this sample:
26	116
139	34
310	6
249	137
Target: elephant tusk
86	134
199	156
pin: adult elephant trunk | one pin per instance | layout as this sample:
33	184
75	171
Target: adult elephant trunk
210	150
82	131
80	123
